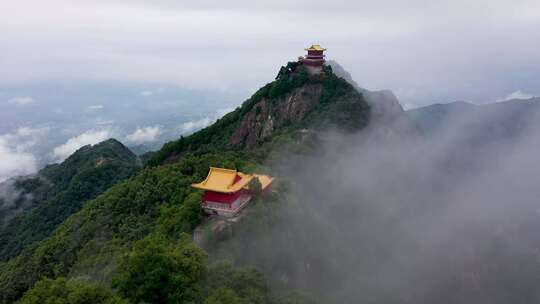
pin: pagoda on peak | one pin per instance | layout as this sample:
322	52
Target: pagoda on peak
314	59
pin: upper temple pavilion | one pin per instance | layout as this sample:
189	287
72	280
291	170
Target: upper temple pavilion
314	59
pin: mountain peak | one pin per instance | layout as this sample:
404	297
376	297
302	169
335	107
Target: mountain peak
296	99
59	190
110	148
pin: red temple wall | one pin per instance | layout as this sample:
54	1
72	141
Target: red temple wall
315	53
314	63
225	198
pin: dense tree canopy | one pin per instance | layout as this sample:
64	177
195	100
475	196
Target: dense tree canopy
160	271
63	291
156	201
62	189
132	236
224	296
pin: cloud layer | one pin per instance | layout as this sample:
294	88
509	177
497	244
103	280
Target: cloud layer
16	148
143	135
382	218
14	163
195	125
426	52
22	100
516	95
91	137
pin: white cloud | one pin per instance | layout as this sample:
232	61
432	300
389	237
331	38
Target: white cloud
16	158
26	131
192	126
21	100
236	44
146	134
24	138
13	162
8	194
519	94
102	122
94	107
88	138
221	112
147	93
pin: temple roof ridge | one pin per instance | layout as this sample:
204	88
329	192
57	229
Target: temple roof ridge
229	180
315	47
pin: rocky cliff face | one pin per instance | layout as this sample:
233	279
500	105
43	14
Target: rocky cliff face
269	115
297	100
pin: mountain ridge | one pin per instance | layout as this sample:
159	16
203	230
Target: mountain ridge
59	190
508	114
157	205
132	240
295	100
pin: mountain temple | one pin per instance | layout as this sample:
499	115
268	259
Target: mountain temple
226	191
314	60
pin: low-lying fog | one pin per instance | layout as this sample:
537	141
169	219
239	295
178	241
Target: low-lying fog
376	219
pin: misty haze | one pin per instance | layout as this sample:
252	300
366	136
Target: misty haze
404	220
269	152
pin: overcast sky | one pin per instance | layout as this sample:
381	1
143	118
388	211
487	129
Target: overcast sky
425	51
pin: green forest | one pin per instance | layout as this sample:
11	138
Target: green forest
60	190
132	243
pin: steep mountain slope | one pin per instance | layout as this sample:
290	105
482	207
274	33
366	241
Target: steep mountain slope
295	100
145	216
18	195
451	218
57	191
348	220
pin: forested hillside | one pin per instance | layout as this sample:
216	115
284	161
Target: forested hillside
355	210
449	218
132	242
293	101
57	191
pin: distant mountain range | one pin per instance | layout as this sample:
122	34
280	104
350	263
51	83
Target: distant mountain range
478	124
433	117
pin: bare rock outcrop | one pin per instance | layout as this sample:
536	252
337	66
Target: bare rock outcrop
268	115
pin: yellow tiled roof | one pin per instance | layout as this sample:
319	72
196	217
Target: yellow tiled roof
265	180
315	47
222	180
